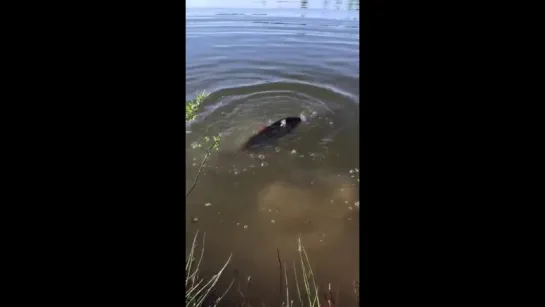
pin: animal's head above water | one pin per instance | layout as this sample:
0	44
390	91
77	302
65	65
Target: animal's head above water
271	133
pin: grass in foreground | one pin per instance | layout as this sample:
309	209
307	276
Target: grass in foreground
196	288
307	291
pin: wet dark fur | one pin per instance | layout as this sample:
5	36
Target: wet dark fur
272	133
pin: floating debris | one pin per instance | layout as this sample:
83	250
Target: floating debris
351	171
263	164
238	224
277	149
245	226
261	157
195	219
293	152
357	204
350	208
273	221
302	156
208	204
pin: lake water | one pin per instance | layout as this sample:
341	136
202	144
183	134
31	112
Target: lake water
260	66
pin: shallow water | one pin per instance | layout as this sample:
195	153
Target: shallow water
260	66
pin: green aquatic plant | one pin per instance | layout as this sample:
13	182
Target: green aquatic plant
192	106
191	109
206	140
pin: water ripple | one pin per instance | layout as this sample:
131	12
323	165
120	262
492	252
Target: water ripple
261	68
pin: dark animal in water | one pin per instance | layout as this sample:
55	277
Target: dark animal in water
272	133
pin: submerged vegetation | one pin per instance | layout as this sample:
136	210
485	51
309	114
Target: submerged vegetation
199	291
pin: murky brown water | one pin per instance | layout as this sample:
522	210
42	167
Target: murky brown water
261	68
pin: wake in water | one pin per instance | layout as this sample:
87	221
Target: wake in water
285	143
271	134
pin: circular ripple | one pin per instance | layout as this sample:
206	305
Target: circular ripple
238	112
261	69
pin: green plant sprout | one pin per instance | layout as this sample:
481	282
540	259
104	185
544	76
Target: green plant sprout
192	106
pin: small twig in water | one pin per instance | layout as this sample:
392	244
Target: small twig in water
200	169
297	284
287	291
280	263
